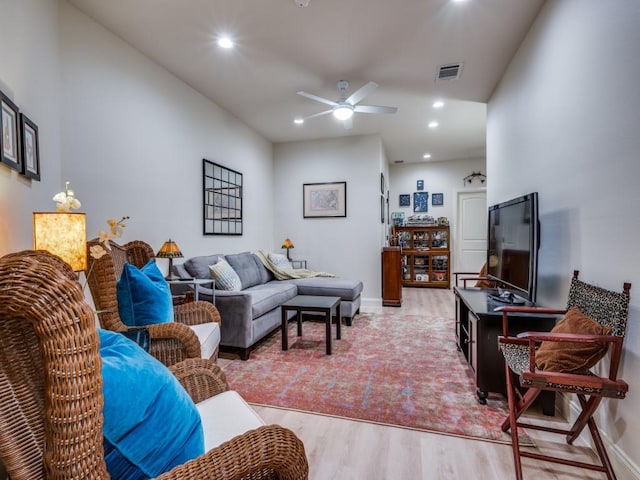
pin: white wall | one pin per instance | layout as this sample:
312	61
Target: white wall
564	122
134	137
349	247
439	177
30	76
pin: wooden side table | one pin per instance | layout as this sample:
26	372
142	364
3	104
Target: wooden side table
311	303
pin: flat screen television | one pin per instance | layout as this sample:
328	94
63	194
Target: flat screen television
513	242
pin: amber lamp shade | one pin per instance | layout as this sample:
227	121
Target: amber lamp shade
64	234
287	244
170	250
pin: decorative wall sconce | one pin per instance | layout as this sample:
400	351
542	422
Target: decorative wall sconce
470	178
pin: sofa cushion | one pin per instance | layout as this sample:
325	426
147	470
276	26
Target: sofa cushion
268	296
154	426
225	276
265	274
327	286
225	416
144	297
246	268
198	267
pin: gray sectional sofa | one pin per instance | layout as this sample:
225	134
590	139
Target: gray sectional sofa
253	312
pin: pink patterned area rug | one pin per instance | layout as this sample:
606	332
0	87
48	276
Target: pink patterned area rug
389	368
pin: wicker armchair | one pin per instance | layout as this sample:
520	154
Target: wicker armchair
51	388
170	342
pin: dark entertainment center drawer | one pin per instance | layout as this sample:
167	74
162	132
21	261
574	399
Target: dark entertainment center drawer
477	329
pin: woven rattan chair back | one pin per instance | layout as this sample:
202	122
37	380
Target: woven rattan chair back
50	383
103	274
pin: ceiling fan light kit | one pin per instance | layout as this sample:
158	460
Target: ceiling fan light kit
343	111
344	108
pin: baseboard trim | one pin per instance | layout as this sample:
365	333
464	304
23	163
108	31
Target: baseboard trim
623	465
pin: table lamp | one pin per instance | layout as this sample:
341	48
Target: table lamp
170	250
63	234
287	244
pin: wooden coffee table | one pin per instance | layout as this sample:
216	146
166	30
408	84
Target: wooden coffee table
311	303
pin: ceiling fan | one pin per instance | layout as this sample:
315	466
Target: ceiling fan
344	108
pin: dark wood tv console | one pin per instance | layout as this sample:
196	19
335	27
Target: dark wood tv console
477	329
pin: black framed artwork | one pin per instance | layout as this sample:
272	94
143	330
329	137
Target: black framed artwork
222	202
382	183
420	185
437	199
405	200
10	134
30	148
321	200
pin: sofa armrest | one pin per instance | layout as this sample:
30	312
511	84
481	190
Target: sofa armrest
236	310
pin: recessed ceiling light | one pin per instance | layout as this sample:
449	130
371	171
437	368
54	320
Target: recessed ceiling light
433	124
225	42
438	104
426	156
298	121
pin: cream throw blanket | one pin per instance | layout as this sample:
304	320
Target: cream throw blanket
286	273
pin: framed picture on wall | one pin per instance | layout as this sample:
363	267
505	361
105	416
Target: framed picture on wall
30	148
420	185
420	200
382	183
9	140
405	200
437	199
324	199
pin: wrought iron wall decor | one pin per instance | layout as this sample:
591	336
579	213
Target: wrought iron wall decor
222	199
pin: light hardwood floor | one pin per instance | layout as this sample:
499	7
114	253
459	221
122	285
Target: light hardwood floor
344	449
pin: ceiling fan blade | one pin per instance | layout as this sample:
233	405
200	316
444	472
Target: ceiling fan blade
318	114
317	98
348	123
374	109
361	93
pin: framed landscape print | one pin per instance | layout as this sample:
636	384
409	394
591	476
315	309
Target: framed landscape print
405	200
9	140
30	148
320	200
437	199
420	200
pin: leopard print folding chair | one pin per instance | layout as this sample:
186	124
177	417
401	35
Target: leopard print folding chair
610	310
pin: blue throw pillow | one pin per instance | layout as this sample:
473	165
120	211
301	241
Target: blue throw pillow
144	297
150	423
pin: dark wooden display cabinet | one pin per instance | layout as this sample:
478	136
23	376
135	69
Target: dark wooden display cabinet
425	255
391	278
477	329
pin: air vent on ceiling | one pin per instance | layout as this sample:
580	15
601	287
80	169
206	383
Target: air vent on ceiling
449	72
398	161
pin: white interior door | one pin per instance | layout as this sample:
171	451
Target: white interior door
471	238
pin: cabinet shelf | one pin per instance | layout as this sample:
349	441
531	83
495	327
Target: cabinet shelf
426	258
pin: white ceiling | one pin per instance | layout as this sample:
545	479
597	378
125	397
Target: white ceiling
282	48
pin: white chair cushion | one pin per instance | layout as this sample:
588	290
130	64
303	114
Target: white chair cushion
209	337
225	416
